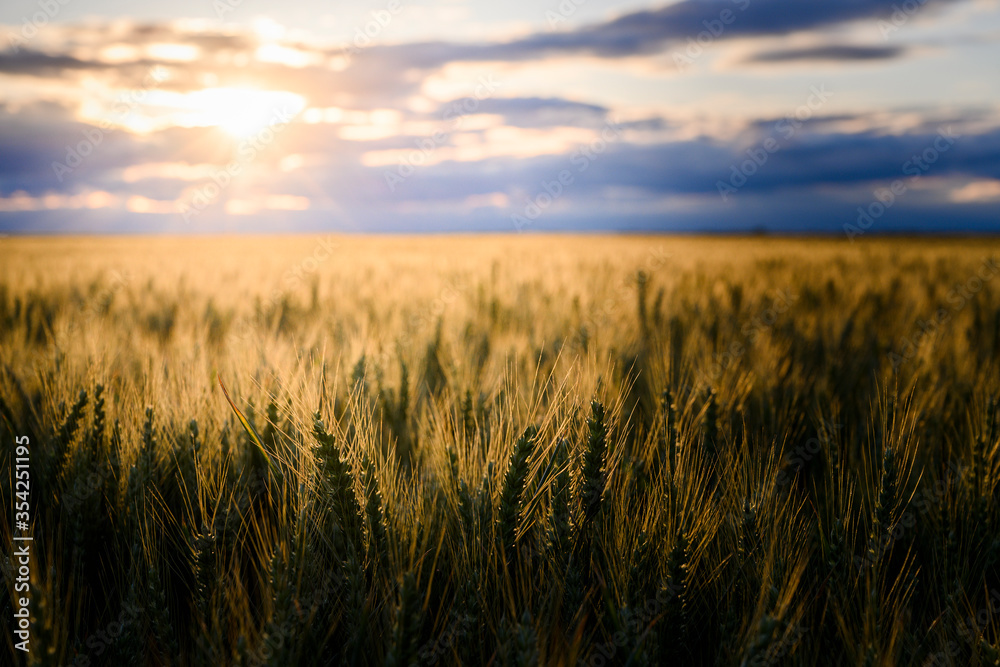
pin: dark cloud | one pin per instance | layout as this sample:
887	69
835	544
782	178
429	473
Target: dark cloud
34	63
387	74
809	162
652	31
648	31
797	180
210	41
538	111
832	52
23	60
33	137
816	156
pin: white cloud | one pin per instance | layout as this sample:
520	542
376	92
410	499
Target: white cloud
977	192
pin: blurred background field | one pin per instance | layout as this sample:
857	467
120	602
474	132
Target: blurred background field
508	450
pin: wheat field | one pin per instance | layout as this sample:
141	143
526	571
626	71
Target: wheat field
511	450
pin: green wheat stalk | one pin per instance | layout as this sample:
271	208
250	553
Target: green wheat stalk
251	431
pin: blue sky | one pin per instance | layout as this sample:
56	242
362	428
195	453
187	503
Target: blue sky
847	117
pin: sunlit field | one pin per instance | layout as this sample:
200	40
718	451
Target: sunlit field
532	450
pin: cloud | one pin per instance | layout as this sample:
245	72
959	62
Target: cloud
811	161
250	206
387	75
977	191
20	201
652	31
830	52
647	31
540	112
518	154
34	63
377	107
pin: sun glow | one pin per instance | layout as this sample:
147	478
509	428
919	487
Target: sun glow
239	112
242	112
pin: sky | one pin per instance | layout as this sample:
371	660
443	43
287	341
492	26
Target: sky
840	117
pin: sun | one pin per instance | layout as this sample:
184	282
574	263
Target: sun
242	112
